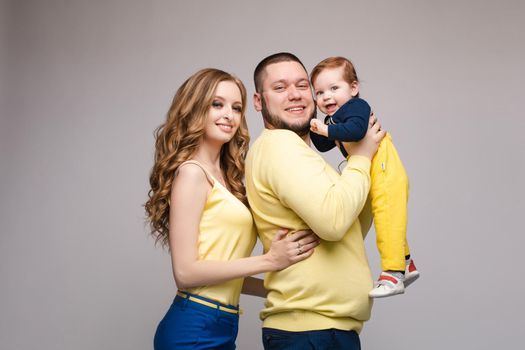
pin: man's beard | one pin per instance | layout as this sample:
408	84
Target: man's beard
300	129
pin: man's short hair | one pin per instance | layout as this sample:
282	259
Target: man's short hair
275	58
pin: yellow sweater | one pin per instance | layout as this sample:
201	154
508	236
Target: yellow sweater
289	185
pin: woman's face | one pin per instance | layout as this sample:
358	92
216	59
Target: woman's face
224	114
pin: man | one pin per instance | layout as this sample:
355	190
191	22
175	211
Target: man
323	301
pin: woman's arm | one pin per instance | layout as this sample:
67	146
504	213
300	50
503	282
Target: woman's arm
254	286
188	197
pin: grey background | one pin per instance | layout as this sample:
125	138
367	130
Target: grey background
84	84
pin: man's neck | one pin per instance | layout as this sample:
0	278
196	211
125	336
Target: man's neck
306	138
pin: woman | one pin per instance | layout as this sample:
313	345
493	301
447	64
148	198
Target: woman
197	206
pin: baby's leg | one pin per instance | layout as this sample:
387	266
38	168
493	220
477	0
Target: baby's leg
389	194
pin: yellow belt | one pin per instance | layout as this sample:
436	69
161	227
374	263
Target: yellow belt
209	304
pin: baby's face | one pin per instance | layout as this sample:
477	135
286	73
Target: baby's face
331	91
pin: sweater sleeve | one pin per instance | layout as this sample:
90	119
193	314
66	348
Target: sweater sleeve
321	143
328	203
351	121
366	217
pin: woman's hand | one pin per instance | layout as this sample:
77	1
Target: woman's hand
290	249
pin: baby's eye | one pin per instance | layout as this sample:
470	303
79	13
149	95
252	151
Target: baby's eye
335	87
318	93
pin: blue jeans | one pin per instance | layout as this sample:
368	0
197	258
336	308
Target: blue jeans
190	325
274	339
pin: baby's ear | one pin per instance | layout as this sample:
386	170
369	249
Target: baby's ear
354	88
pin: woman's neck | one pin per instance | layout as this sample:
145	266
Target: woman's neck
209	156
211	160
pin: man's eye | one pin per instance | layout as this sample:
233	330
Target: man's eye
279	88
303	86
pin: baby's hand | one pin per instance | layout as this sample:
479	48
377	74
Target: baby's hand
319	127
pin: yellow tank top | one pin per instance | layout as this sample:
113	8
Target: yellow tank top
226	232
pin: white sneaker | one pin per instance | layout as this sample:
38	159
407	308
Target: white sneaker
411	273
387	285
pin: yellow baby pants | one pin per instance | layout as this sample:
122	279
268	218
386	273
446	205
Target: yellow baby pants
389	195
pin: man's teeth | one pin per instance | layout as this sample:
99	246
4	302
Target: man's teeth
296	109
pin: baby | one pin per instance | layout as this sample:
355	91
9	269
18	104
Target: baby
336	90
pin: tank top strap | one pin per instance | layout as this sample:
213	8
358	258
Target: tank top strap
210	178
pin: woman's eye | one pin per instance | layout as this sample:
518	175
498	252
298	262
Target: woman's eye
237	109
216	104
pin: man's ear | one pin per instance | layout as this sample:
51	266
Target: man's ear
257	102
354	88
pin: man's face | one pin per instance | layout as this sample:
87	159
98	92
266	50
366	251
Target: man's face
286	100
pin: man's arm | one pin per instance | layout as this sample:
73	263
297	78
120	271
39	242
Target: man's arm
365	217
328	203
306	184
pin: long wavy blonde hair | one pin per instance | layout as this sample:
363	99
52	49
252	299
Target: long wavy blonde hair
178	139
